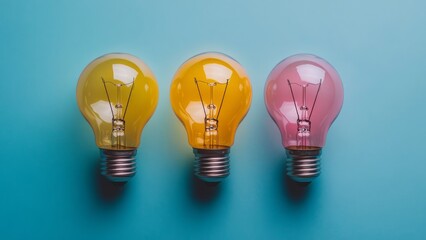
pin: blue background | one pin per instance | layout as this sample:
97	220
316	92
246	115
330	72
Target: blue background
372	185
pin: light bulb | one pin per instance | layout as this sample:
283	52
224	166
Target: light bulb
117	94
211	94
303	95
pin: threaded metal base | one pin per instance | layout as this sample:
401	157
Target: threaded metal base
303	165
211	165
118	165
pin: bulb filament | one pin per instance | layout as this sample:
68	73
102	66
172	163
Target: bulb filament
118	122
210	120
303	118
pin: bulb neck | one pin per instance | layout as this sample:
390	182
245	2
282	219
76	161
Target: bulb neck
118	165
303	165
211	165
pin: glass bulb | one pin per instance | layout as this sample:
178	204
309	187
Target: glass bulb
303	95
117	94
211	94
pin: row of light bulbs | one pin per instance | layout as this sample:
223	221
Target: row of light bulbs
210	94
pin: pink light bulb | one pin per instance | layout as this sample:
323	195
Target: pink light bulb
303	95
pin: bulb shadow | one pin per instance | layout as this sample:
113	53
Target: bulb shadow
203	192
80	138
107	191
295	192
200	192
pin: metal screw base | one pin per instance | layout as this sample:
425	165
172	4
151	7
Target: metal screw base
118	165
211	165
303	165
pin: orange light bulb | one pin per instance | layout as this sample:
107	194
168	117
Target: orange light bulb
211	94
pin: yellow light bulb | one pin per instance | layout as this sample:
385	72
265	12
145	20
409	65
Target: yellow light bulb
211	94
117	94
